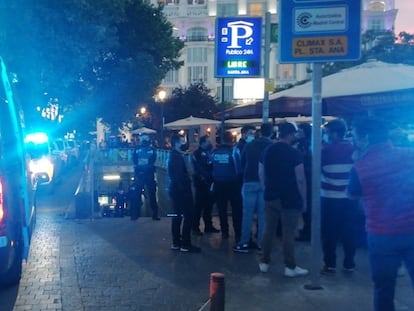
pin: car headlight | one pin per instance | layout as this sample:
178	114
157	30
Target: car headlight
40	166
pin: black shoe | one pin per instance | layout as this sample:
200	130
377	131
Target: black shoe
211	230
253	245
302	238
349	270
190	249
156	218
241	248
328	270
197	232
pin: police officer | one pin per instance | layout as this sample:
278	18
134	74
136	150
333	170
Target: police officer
144	158
226	186
202	179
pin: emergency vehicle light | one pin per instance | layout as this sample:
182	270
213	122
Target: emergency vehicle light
36	138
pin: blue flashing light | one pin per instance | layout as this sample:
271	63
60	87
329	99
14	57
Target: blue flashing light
36	138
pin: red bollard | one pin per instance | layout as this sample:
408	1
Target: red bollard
217	291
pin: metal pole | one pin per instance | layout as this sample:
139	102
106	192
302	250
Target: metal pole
162	126
217	291
316	180
222	112
265	108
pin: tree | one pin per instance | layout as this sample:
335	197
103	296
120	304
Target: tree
194	100
87	53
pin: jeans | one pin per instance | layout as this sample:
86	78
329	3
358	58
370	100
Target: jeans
386	254
273	212
253	201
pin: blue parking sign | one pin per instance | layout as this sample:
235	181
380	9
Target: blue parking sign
238	47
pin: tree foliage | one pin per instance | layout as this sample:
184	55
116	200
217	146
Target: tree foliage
99	58
194	100
382	46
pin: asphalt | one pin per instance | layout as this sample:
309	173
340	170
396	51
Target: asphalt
115	264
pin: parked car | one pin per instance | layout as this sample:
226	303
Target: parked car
45	162
73	150
17	190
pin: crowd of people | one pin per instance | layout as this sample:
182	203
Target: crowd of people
267	173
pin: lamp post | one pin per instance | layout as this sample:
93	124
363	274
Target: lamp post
161	96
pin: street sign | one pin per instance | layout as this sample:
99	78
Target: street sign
319	31
238	47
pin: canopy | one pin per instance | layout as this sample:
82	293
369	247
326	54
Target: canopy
369	86
256	121
143	130
190	122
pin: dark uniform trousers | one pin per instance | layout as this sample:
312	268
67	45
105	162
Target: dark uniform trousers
225	192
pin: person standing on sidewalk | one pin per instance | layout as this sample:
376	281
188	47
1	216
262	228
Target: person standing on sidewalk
282	176
383	177
202	179
252	191
338	212
144	158
181	196
227	187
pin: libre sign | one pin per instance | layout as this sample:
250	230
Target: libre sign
319	31
238	47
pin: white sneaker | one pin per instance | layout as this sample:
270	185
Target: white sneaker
297	271
263	267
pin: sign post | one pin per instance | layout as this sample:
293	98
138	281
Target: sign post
318	31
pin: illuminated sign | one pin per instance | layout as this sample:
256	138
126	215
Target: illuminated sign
238	47
319	31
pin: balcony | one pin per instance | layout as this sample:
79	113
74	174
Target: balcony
184	10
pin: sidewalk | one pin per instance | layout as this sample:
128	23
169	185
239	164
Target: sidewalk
117	264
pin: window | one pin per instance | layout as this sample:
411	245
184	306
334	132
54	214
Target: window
197	34
376	24
286	72
171	77
228	93
226	9
195	1
169	2
256	9
197	55
196	74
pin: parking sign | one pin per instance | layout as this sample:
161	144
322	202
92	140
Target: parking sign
238	47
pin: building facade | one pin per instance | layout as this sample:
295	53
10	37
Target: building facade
194	23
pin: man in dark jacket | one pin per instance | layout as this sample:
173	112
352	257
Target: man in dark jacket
201	160
144	158
226	187
182	198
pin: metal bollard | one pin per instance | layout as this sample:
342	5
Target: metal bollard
217	292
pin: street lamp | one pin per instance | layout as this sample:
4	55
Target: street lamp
161	97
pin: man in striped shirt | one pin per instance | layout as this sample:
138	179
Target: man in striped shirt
338	212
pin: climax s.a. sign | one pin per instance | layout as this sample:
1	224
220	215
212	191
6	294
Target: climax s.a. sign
238	47
319	30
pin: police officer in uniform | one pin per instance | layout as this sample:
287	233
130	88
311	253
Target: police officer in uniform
226	187
202	179
144	158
